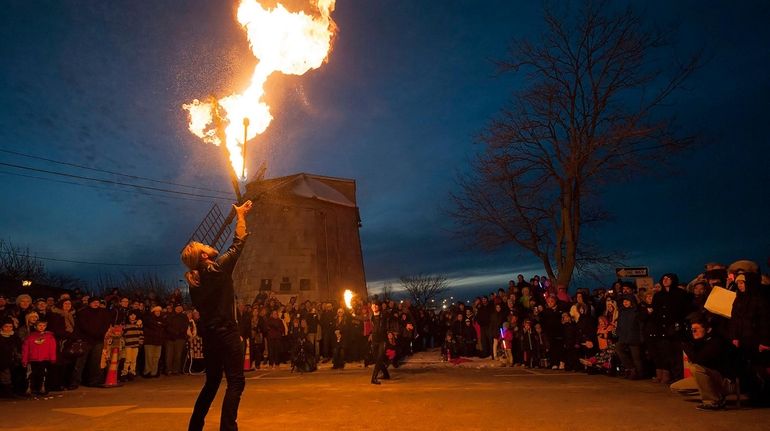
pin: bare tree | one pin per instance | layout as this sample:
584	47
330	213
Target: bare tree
64	281
590	116
19	264
423	288
145	283
387	290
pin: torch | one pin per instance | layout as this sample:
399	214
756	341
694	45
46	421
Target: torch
348	295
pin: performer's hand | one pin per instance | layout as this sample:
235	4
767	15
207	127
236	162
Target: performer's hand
736	343
763	348
243	209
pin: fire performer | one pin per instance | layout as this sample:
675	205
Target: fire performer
378	337
211	290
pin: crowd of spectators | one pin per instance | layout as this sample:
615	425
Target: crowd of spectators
56	344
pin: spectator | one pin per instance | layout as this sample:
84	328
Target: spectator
542	347
39	351
10	359
92	324
195	345
483	316
528	344
5	309
176	335
670	306
275	331
133	336
121	311
23	307
28	325
496	319
338	358
708	355
154	335
629	345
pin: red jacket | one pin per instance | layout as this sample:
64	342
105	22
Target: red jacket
37	347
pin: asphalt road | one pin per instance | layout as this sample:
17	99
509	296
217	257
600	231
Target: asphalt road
423	395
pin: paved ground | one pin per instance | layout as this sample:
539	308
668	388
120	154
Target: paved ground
423	395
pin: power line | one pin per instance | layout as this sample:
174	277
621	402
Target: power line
111	182
148	194
88	263
109	172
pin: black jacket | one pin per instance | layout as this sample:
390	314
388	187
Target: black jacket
93	323
379	328
710	351
669	310
214	297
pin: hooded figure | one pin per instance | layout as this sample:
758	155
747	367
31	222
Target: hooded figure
749	326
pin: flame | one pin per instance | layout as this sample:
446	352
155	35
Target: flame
348	295
282	41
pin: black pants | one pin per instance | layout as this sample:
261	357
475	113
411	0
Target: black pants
222	352
274	351
379	362
37	378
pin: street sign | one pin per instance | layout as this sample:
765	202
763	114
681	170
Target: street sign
638	271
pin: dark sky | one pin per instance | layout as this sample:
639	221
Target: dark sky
408	87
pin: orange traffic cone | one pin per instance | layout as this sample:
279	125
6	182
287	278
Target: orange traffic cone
247	358
686	364
112	372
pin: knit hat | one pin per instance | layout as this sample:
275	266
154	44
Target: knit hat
157	307
740	277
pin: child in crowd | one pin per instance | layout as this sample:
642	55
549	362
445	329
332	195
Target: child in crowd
449	348
527	344
602	360
39	352
133	337
506	337
542	347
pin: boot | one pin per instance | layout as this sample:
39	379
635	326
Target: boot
665	377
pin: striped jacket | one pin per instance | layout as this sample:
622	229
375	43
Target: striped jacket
133	335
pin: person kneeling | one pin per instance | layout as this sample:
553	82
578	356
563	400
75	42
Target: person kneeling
709	358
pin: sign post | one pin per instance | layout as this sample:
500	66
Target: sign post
632	272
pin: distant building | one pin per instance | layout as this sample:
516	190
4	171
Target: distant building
304	240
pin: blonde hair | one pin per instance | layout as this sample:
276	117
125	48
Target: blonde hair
191	258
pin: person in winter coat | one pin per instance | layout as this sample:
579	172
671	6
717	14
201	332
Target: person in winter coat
175	338
748	327
528	344
749	332
91	324
551	319
496	319
541	354
670	307
275	332
39	352
570	343
629	331
10	359
154	336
